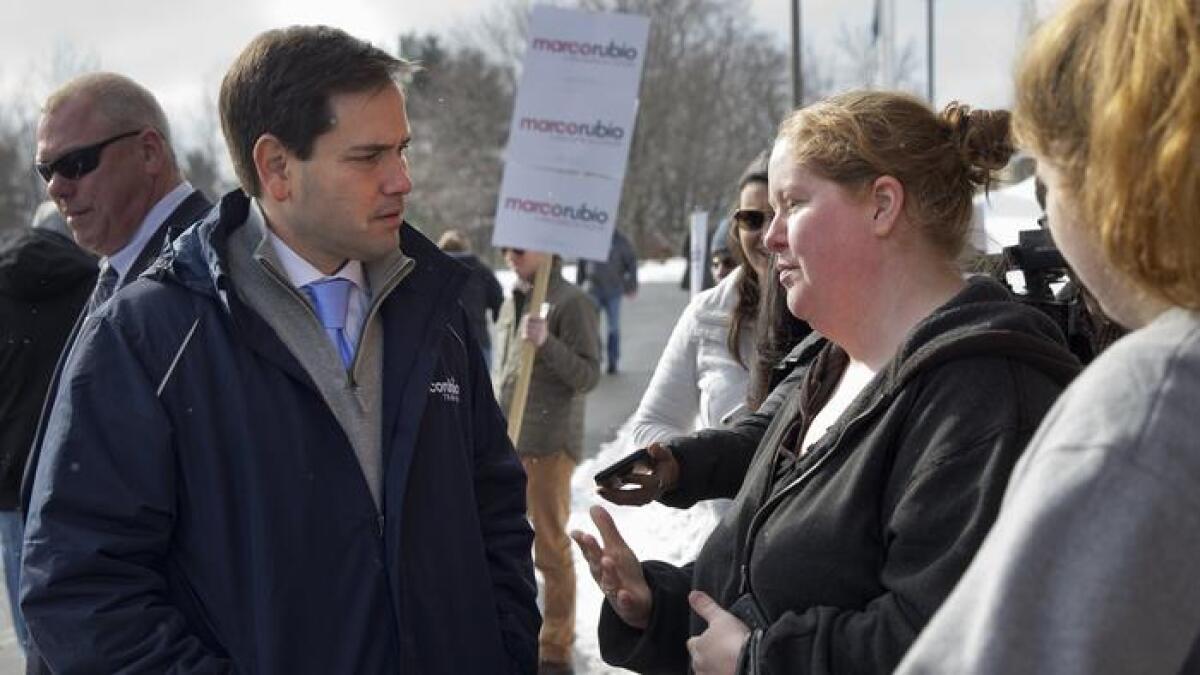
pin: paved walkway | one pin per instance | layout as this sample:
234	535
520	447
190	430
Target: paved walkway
12	661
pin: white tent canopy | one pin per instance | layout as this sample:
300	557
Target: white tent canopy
999	216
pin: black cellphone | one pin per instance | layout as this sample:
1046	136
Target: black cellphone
623	466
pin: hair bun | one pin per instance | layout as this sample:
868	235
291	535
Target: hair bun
983	139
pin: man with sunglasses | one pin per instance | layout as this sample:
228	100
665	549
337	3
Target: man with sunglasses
278	451
104	150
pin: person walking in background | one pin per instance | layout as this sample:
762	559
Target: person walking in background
566	367
45	279
278	452
607	282
1091	566
482	294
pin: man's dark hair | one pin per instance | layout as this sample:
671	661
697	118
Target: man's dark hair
281	84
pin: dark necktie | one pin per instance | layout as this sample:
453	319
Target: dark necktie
330	298
105	287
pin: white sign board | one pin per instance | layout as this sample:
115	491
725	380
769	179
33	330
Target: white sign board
565	131
593	50
697	257
571	215
572	126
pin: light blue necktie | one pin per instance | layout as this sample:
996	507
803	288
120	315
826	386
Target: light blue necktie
330	297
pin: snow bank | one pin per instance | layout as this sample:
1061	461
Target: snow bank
669	271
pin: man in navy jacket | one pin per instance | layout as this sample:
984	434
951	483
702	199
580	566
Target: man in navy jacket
278	451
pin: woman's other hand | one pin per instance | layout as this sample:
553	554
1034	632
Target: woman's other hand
644	483
716	650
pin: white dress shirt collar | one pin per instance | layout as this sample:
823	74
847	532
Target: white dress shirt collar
124	259
300	272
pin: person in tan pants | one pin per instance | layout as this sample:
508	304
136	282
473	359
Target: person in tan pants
567	366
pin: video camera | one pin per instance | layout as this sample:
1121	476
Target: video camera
1039	261
1051	288
1044	270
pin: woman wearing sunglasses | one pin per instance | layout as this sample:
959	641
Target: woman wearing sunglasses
883	469
700	380
1091	565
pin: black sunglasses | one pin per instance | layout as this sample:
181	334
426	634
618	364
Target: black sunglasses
79	163
752	220
515	251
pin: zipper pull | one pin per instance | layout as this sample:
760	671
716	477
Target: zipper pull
744	586
379	522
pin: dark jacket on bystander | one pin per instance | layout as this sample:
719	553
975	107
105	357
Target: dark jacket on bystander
45	279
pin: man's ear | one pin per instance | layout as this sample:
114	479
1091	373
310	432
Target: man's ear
153	150
886	196
271	163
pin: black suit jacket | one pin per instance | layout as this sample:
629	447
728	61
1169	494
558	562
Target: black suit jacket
191	209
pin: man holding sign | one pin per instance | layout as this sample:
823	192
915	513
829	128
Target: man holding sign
566	367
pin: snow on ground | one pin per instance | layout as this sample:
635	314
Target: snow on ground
654	532
649	272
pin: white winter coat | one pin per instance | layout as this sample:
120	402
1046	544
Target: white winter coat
697	384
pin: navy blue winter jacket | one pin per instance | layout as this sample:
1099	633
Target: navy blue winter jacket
199	509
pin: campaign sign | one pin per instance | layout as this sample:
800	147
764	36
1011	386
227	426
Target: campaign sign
605	50
572	126
569	214
563	131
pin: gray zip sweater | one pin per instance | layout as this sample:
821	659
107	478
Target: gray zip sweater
1090	567
356	396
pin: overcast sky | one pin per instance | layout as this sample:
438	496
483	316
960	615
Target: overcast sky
181	50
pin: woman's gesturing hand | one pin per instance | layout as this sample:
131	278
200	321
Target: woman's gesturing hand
616	569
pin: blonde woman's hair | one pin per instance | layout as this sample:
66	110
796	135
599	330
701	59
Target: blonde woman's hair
940	159
1108	91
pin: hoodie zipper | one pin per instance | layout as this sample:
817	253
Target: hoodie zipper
763	511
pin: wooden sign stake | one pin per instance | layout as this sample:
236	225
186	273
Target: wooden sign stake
516	410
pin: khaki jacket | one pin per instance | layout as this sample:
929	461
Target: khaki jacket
566	367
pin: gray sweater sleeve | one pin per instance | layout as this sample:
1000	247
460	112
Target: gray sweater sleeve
1090	567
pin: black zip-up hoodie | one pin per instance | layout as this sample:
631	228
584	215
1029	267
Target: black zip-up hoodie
45	279
838	566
